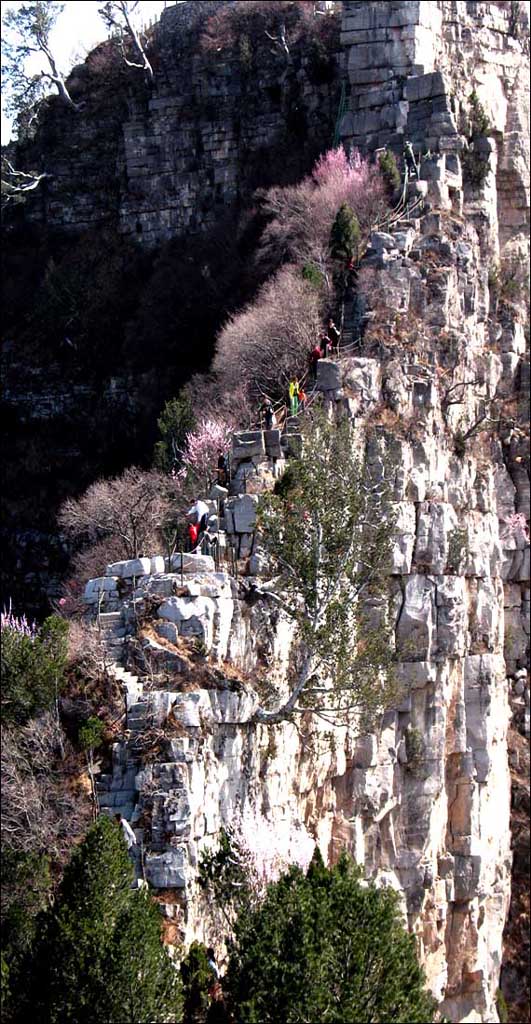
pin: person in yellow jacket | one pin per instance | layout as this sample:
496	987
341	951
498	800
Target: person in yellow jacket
293	397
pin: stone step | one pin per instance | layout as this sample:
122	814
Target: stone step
110	618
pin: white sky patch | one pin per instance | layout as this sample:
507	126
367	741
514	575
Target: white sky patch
78	30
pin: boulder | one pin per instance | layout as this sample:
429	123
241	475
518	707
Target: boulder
248	444
243	511
167	870
130	568
328	375
158	565
103	584
193	563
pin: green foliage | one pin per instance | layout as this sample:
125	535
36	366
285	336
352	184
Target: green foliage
324	947
328	534
389	169
345	234
457	542
226	876
314	276
98	954
197	977
460	444
175	422
475	163
32	669
91	733
502	1008
26	884
26	28
479	124
414	748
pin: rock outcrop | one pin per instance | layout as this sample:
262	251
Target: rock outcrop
434	377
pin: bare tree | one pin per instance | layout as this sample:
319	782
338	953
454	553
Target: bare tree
27	31
119	17
268	342
130	509
16	184
41	811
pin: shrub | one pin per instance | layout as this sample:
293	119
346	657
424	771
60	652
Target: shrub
325	947
345	234
33	665
268	342
128	509
175	422
389	169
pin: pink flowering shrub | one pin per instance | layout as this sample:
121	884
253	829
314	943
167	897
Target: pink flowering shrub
302	215
200	453
272	847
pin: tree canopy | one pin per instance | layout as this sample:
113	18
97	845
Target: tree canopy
328	533
326	946
98	954
33	666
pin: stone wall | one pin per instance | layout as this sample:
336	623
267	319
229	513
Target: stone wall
169	156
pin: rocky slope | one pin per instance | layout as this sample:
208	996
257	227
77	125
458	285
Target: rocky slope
436	381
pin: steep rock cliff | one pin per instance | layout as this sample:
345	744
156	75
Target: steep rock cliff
423	802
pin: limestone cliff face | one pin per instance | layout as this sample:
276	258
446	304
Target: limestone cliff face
423	802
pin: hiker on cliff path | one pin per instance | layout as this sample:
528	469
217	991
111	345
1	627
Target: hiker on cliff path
335	335
268	412
326	346
127	831
201	512
315	356
223	468
293	399
193	533
302	396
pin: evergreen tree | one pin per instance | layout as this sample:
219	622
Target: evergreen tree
390	173
98	955
345	234
33	666
175	422
142	984
334	506
323	947
197	976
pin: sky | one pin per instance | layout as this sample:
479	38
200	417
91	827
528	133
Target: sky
79	28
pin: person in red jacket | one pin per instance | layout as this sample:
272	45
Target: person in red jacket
315	356
193	532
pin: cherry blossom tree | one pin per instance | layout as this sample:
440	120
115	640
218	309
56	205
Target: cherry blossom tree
302	215
200	453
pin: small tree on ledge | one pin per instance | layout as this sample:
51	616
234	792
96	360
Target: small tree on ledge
328	533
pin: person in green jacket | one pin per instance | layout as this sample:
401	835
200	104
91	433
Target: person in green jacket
293	397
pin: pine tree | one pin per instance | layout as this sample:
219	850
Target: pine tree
142	985
175	422
99	955
323	947
345	234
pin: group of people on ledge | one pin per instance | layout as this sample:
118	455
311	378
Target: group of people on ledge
326	347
